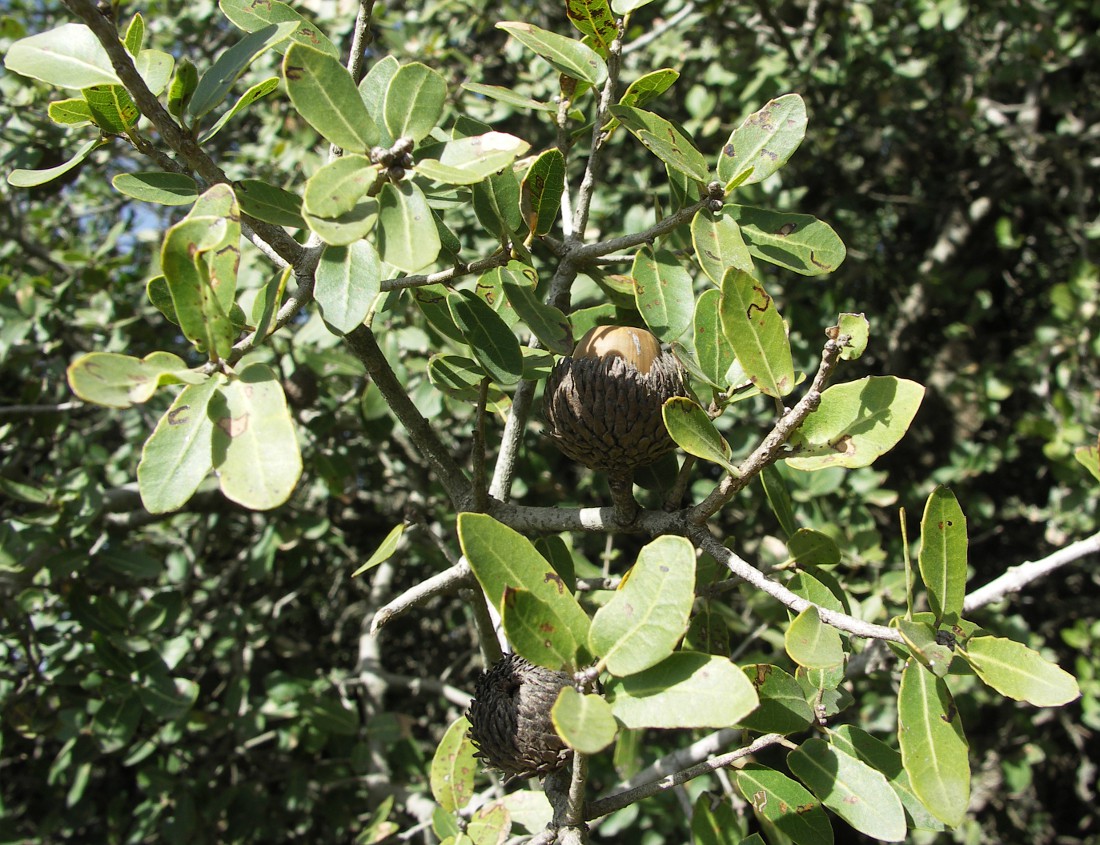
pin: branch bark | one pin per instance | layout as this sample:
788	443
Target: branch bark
1020	576
182	143
362	343
624	799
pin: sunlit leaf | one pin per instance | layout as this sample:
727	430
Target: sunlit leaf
414	101
685	690
215	84
566	55
856	422
754	328
69	56
585	722
763	142
850	788
784	803
255	447
347	280
1019	672
664	140
798	242
692	430
933	746
453	767
943	552
322	91
251	16
663	293
177	456
811	643
648	615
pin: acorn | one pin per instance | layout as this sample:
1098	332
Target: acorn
603	405
510	718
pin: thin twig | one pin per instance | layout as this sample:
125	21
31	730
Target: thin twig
624	799
189	150
362	343
599	136
1018	577
744	570
660	29
497	259
361	37
447	581
768	450
588	252
11	411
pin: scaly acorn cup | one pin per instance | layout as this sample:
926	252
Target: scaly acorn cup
603	405
510	718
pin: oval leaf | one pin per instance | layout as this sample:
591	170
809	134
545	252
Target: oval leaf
269	203
881	757
158	187
21	178
719	245
466	161
547	323
574	59
811	643
413	102
798	242
323	93
763	142
407	236
856	422
492	342
785	804
648	615
685	690
850	788
501	558
535	630
177	456
713	351
453	767
336	187
585	722
1017	671
250	16
693	431
933	746
541	191
754	328
255	447
783	706
119	381
663	293
665	141
347	280
943	548
69	56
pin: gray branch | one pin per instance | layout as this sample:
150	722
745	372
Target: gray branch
182	143
611	803
768	450
362	343
1018	577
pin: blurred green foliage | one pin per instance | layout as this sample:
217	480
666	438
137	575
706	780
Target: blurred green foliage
204	677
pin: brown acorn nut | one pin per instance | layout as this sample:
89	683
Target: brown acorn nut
510	718
603	404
